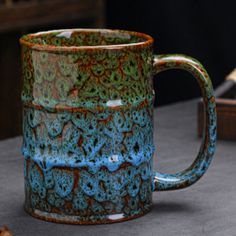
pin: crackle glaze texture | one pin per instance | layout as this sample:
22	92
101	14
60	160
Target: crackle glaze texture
88	141
87	125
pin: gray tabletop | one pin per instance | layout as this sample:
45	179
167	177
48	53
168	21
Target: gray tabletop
207	208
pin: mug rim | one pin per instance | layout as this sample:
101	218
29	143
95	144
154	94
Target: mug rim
25	40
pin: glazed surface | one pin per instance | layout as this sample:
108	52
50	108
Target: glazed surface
88	130
88	141
193	173
85	164
87	79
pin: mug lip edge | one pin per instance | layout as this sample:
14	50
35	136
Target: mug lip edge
24	40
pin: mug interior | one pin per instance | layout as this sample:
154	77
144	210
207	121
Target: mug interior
85	38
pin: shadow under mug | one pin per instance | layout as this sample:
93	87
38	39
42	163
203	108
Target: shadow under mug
88	125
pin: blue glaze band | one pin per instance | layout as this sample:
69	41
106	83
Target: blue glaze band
55	137
162	181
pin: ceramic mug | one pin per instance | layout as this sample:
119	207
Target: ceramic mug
88	125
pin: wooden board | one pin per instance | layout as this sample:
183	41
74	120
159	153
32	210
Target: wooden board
19	17
226	109
26	14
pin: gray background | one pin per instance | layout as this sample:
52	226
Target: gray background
207	208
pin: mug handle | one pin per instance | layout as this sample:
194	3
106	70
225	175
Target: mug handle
192	174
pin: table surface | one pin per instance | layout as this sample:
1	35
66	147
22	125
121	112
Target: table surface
207	208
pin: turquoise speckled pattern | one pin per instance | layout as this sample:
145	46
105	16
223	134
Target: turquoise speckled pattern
73	159
92	139
88	125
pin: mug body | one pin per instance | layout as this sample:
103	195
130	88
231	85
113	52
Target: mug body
87	125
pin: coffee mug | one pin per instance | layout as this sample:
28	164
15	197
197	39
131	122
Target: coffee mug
88	125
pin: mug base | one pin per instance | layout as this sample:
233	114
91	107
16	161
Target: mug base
82	220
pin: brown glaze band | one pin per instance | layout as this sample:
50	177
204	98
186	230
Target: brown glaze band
63	221
25	40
